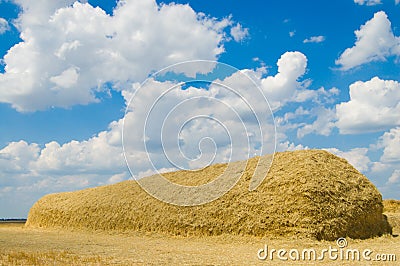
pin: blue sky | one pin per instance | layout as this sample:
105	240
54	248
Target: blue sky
69	69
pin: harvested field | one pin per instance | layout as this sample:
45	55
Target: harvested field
23	246
307	194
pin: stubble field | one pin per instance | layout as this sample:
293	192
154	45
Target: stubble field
23	246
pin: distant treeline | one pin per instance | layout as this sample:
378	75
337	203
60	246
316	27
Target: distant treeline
16	220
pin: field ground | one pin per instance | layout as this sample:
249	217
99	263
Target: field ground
21	246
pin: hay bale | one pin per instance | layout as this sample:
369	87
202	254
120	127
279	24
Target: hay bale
391	205
309	193
391	208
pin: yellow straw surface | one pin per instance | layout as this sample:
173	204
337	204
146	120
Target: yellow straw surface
308	193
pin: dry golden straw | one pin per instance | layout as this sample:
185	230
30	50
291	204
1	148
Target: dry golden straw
309	193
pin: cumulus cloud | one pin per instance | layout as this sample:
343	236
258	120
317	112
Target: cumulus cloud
395	177
285	86
87	157
389	163
186	143
368	2
230	115
313	117
16	158
289	146
3	26
374	106
101	155
30	171
323	124
315	39
375	42
69	49
239	33
390	142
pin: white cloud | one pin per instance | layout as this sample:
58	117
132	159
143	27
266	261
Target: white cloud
230	106
69	50
289	146
389	163
292	33
374	106
101	155
368	2
239	33
31	170
284	86
299	112
390	142
66	79
315	39
375	42
38	12
281	88
395	177
81	157
118	178
16	158
67	47
323	125
3	26
323	117
356	157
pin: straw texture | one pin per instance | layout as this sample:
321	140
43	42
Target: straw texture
308	193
